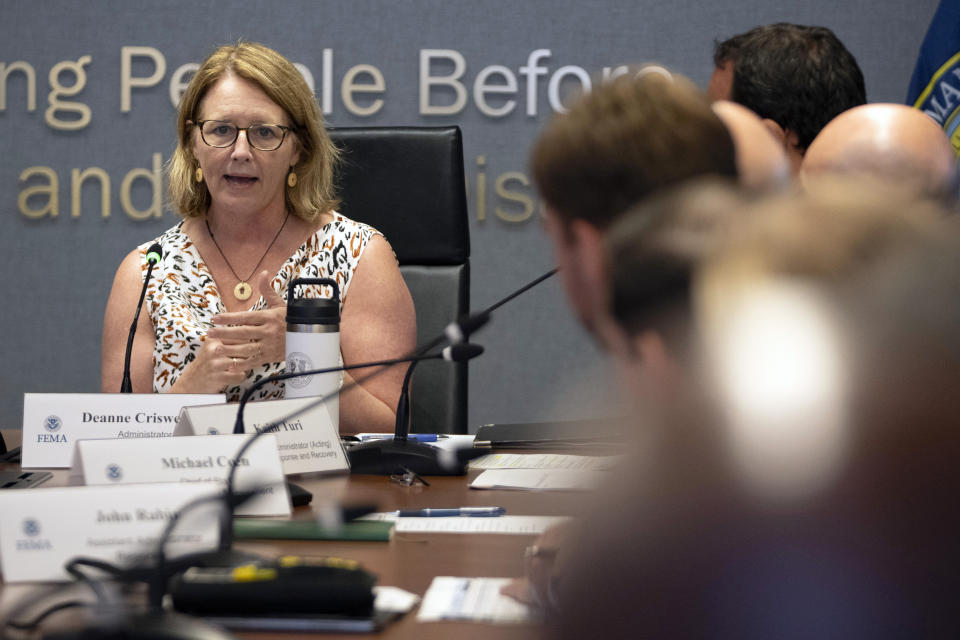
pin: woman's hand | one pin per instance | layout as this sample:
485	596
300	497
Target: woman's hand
213	369
240	342
259	336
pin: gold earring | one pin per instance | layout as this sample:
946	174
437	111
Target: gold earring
292	178
198	175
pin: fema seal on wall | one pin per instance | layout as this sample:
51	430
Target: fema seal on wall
114	472
52	423
298	361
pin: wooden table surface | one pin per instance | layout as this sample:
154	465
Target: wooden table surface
411	561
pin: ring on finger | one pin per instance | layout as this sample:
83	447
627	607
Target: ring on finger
234	362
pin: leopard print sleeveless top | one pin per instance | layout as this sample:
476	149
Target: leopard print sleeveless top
182	296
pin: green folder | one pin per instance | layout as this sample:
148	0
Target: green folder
260	529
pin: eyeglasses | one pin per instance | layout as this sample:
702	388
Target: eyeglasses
407	477
265	137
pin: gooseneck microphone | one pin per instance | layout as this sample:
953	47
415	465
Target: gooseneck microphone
402	426
154	253
386	456
460	330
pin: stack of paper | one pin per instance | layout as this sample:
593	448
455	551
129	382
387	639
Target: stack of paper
542	461
539	479
471	600
520	525
515	525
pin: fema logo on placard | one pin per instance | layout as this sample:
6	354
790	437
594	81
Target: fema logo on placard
51	427
212	431
114	472
298	361
32	541
31	528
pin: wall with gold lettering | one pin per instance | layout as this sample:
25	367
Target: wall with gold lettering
87	105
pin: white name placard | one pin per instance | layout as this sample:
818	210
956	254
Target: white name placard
193	459
308	443
53	422
42	529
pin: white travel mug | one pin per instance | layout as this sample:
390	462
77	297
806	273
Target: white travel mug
313	342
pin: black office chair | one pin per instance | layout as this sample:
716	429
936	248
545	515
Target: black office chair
408	182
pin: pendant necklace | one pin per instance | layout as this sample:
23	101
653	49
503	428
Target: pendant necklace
243	289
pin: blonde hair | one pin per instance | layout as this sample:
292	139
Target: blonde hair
279	79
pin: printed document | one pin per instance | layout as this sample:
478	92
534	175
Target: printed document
472	600
542	461
538	479
518	525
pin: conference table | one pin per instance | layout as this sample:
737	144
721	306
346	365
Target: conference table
411	561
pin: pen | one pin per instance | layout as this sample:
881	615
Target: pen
477	512
415	437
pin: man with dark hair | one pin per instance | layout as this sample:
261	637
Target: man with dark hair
800	490
797	78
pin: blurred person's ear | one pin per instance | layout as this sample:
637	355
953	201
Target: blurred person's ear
651	350
786	137
646	369
790	141
591	252
658	365
579	251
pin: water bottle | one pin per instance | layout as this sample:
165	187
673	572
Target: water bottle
313	342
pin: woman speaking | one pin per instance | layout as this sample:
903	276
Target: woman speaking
252	177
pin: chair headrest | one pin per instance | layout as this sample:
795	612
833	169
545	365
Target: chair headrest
408	182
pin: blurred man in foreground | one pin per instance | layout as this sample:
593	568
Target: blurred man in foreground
796	78
617	145
808	488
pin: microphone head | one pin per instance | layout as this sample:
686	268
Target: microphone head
154	253
462	352
460	330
